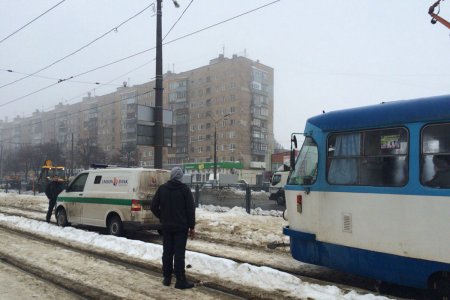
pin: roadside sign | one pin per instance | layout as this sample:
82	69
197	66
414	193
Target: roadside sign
146	135
147	114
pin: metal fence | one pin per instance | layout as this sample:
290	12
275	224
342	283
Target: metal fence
18	187
227	196
231	196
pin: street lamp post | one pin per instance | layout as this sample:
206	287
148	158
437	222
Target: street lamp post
215	144
159	133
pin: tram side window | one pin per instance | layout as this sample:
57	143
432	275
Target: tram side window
435	160
344	151
372	158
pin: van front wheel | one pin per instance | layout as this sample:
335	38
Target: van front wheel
61	217
115	226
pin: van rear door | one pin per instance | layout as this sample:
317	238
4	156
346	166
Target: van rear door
149	181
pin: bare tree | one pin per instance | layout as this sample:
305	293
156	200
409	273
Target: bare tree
88	152
129	154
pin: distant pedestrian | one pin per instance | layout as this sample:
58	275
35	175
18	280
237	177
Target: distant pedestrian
52	191
174	205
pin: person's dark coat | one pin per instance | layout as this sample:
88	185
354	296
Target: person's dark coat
53	189
174	205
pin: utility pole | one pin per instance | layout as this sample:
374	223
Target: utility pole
158	91
159	131
1	162
71	158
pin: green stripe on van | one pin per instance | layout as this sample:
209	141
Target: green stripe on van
113	201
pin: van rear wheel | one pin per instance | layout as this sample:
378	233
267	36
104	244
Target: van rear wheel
115	226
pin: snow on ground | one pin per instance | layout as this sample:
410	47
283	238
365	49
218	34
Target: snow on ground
233	224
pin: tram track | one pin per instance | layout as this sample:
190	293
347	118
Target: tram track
311	274
276	259
205	289
14	266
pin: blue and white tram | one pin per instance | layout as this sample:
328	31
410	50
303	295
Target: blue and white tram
370	192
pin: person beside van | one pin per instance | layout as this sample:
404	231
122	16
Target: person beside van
53	189
174	205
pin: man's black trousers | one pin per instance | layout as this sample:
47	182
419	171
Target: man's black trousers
174	248
51	205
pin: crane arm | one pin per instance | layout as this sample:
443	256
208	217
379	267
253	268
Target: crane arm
436	17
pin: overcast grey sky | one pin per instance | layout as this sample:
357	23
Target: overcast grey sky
327	55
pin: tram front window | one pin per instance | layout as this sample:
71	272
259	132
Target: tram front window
305	172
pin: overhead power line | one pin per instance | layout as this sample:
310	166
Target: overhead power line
112	80
178	20
79	49
222	22
101	84
53	78
143	51
51	8
177	39
78	112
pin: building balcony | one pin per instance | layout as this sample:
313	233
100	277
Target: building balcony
258	152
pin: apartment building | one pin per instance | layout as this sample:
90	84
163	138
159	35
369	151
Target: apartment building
228	102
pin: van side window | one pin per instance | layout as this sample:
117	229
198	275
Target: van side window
98	179
79	183
435	158
371	157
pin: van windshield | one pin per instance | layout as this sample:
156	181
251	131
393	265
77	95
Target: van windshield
276	179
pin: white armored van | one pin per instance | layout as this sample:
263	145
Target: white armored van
117	199
276	190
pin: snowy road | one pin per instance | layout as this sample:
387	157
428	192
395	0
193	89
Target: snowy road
90	275
16	284
228	230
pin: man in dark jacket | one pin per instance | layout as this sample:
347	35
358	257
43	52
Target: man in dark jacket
174	205
52	191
